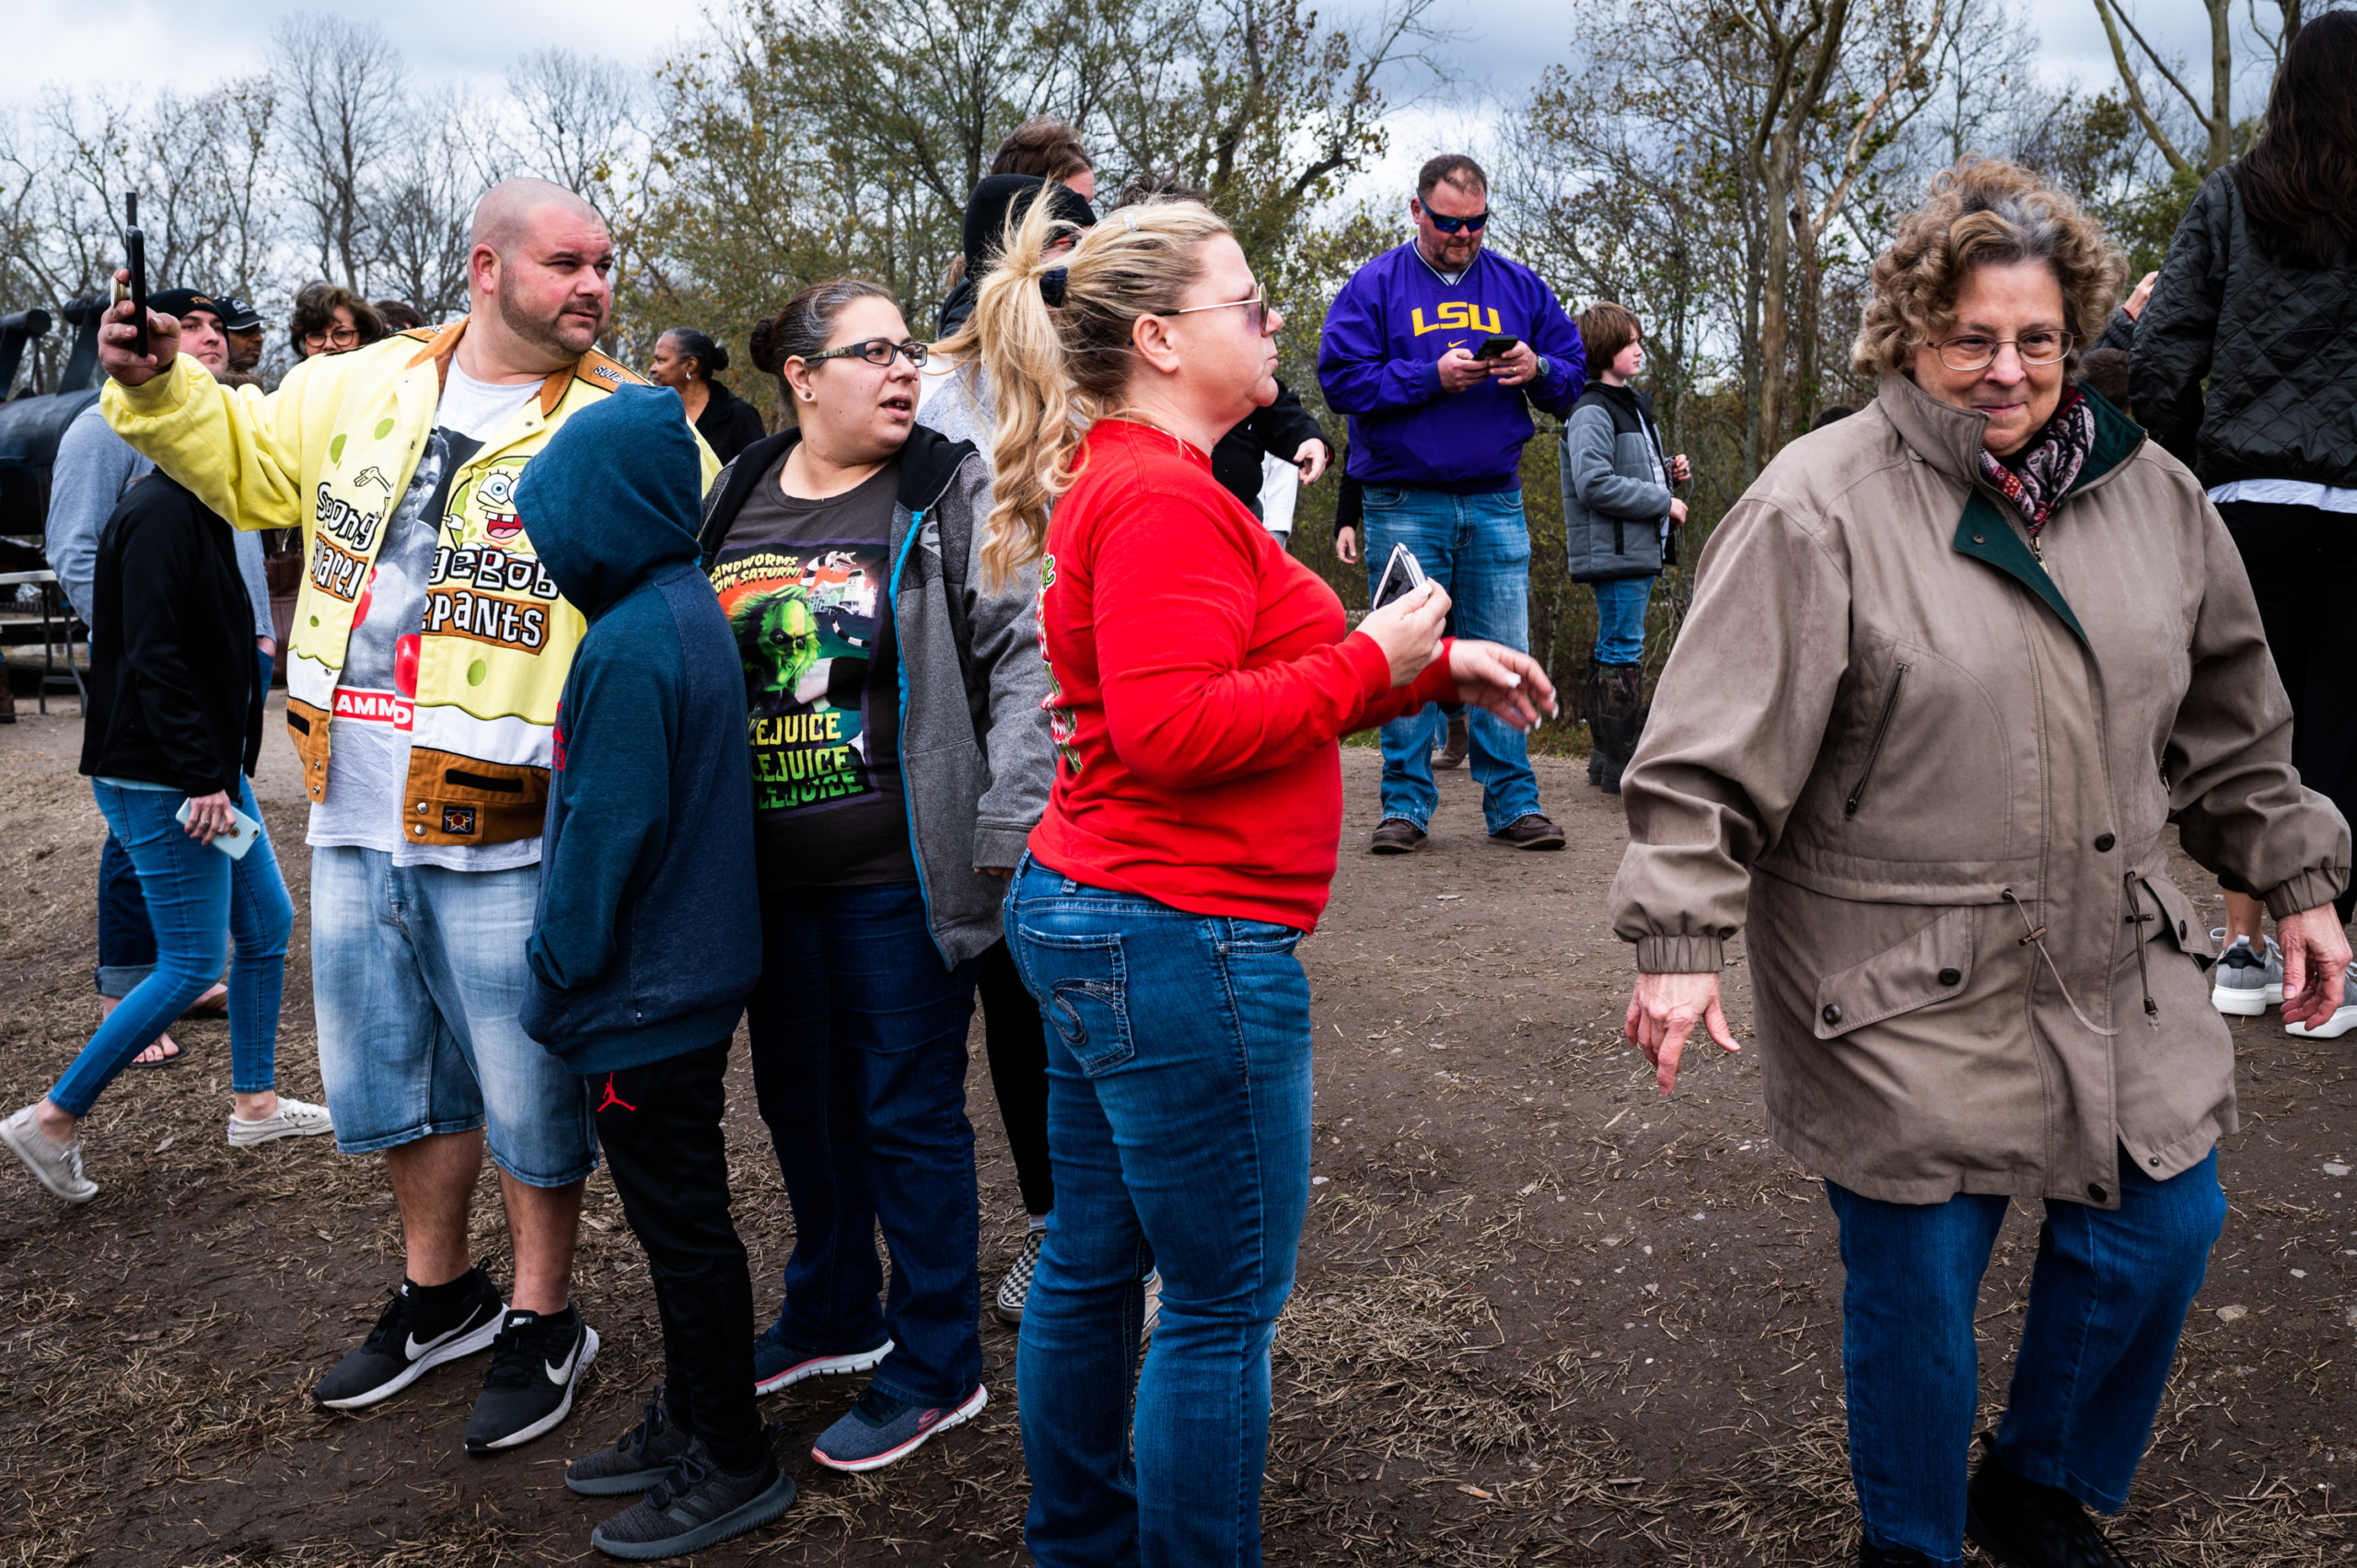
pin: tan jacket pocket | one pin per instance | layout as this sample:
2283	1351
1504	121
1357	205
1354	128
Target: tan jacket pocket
307	728
1934	965
2180	921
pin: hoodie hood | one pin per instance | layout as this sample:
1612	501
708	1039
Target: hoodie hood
613	498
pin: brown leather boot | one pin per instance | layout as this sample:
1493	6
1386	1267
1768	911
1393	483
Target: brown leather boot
1452	751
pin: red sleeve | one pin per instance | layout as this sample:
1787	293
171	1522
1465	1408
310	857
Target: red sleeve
1175	597
1435	684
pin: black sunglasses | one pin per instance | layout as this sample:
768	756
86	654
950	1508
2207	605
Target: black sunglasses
1477	223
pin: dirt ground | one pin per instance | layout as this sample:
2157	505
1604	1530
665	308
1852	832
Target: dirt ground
1544	1316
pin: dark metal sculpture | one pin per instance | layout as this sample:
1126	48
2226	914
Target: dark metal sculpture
30	427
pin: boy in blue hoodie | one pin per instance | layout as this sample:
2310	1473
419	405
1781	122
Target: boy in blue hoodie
648	940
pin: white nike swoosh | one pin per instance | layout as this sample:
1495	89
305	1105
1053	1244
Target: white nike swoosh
412	1349
561	1371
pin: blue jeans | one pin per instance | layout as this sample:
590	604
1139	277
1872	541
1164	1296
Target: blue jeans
197	900
418	975
126	940
2106	1302
1178	1124
859	1065
1621	619
1479	549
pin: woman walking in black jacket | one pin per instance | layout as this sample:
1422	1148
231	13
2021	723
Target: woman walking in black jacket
686	360
2265	266
173	726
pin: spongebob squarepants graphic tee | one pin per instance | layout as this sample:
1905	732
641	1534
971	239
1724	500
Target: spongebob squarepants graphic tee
368	764
804	585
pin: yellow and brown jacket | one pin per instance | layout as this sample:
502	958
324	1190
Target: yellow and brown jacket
332	451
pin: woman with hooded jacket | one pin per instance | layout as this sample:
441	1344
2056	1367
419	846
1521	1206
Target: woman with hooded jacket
2264	265
1954	667
900	755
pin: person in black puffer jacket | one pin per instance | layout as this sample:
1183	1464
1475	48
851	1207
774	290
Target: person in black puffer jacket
2258	298
174	726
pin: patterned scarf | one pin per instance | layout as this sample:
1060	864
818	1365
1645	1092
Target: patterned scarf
2043	471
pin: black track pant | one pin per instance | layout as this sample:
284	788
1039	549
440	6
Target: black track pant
2303	566
660	1127
1017	1043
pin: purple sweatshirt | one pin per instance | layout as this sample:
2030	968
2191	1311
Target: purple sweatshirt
1379	363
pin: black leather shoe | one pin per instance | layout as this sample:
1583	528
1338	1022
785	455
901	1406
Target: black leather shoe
1872	1556
1395	835
2023	1524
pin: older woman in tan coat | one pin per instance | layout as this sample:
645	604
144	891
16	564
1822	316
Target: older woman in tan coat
1953	669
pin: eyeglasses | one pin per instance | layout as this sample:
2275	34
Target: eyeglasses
878	352
1973	351
1477	223
332	337
1256	314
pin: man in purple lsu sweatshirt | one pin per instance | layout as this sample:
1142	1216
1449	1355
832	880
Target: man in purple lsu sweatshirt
1434	350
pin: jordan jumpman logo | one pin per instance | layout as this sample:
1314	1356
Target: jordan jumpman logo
613	1098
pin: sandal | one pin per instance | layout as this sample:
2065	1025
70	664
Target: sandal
177	1054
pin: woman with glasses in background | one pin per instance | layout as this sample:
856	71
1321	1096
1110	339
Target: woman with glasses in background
329	318
900	757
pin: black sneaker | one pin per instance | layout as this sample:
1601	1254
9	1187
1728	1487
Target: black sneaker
535	1365
1872	1556
634	1461
409	1338
697	1504
2023	1524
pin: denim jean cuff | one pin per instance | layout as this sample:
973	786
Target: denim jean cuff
119	981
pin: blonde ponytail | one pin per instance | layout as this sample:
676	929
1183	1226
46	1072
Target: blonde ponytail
1053	332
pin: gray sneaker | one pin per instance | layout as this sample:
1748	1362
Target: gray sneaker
880	1429
57	1167
293	1119
2248	984
634	1461
695	1506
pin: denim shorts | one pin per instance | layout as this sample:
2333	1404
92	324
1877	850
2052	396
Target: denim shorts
419	976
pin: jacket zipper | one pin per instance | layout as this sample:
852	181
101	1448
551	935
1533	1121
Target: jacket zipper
1890	706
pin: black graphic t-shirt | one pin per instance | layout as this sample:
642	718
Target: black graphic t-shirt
803	583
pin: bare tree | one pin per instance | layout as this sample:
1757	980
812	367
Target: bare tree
575	115
343	88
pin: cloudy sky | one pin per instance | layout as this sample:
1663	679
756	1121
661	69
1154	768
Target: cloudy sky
1500	48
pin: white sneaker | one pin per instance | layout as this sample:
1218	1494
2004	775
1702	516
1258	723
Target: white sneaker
293	1119
57	1167
2248	984
2340	1023
1153	1313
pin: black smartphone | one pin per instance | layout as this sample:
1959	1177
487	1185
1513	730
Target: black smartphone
1497	348
134	261
1401	574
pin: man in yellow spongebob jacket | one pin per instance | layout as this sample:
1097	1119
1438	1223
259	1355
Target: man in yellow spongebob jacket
429	650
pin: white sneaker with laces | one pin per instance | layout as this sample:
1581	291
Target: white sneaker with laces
57	1167
293	1119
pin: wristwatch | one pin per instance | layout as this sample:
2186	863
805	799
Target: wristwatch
1542	372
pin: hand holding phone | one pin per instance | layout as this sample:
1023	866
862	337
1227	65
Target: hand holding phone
232	840
1496	348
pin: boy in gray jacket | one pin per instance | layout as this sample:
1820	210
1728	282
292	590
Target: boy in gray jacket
1617	514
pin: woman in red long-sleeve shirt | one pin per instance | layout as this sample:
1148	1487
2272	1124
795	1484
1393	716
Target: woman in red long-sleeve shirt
1203	679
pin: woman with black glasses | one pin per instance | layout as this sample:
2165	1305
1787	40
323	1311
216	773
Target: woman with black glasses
900	757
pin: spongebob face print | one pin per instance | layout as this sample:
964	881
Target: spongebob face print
495	501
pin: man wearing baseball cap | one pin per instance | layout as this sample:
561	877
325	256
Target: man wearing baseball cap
94	467
242	324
